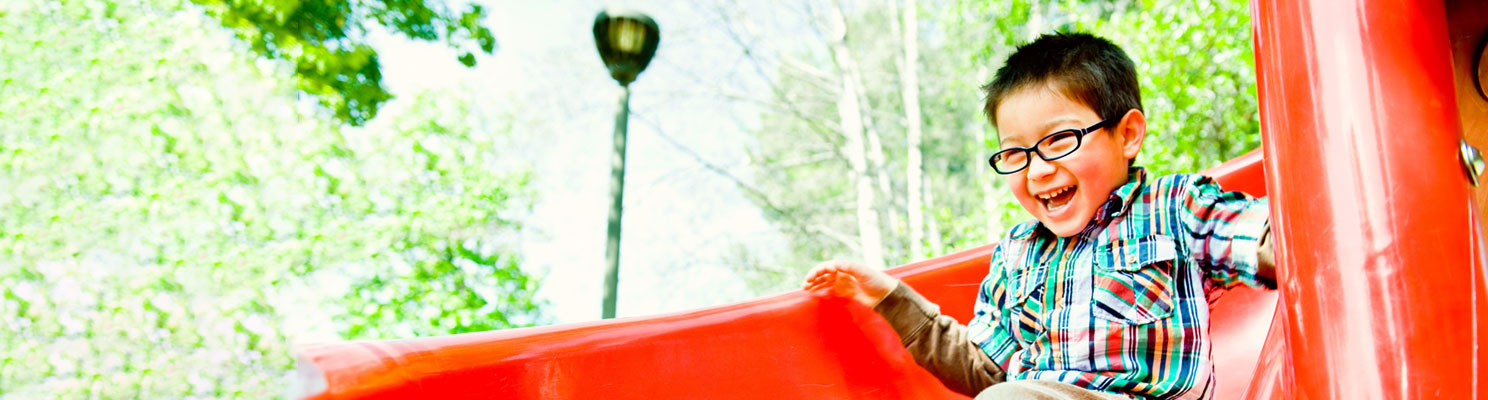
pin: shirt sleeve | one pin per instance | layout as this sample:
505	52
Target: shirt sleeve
957	355
1224	231
986	328
938	343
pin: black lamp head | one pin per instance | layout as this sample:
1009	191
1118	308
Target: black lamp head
627	40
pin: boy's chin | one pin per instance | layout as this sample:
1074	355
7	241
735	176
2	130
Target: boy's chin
1064	232
1064	228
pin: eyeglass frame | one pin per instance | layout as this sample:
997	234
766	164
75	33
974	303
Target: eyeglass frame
1079	140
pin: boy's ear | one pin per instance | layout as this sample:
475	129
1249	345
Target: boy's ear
1131	131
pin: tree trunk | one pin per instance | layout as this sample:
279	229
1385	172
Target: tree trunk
909	78
879	166
849	110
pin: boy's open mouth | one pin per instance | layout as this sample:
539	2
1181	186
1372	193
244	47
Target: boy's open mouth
1057	199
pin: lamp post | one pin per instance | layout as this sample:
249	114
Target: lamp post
626	42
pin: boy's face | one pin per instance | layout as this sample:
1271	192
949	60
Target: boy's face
1064	194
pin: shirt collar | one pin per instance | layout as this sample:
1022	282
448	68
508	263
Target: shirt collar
1119	202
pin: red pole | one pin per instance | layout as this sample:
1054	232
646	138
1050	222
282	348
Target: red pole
1369	203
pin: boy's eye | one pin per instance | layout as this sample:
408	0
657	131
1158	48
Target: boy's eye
1012	156
1011	160
1059	144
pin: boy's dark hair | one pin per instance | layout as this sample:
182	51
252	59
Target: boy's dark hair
1090	69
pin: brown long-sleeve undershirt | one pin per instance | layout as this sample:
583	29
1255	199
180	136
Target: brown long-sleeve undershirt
942	346
938	343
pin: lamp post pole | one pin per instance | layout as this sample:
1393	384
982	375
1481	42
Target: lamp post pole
617	193
626	40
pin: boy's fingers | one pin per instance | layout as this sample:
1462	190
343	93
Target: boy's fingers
817	270
826	280
866	275
822	267
817	279
818	286
817	275
814	286
824	275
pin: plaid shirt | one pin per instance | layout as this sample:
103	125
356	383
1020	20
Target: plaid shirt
1122	306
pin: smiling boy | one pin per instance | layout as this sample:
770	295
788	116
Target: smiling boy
1106	293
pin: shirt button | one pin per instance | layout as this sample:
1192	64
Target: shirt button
1131	258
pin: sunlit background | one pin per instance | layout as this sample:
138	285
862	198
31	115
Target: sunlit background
192	188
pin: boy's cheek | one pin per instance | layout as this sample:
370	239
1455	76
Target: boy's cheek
1028	203
1020	193
1016	185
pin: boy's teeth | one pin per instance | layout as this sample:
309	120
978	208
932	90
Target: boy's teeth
1055	193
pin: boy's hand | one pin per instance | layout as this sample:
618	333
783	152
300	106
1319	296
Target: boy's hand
848	279
1266	257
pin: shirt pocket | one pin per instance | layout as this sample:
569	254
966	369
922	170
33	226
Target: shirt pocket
1025	311
1134	280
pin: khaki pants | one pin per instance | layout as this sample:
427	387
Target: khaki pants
1043	390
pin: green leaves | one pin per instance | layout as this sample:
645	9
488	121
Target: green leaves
1197	77
326	42
174	222
1197	73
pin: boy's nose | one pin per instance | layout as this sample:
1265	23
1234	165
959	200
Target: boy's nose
1039	169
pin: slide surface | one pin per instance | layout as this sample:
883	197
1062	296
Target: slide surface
1382	290
787	346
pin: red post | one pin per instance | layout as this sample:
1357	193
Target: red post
1369	203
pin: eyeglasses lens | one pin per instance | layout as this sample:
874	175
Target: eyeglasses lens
1010	161
1059	144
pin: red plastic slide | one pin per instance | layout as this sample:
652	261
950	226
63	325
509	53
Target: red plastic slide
789	346
1380	267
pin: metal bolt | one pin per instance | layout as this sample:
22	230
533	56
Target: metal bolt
1472	162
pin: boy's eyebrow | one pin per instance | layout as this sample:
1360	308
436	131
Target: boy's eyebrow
1045	129
1048	127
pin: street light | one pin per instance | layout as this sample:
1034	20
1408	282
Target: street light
626	42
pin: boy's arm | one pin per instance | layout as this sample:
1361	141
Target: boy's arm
1265	258
1227	232
938	343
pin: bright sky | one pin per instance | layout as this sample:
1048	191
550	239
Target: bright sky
679	217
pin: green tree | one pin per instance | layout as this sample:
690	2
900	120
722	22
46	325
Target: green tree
1196	67
326	41
1197	77
804	176
174	220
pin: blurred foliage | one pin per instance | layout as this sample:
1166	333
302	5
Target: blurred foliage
174	218
1197	74
1194	63
326	41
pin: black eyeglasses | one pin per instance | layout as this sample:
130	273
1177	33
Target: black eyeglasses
1055	146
